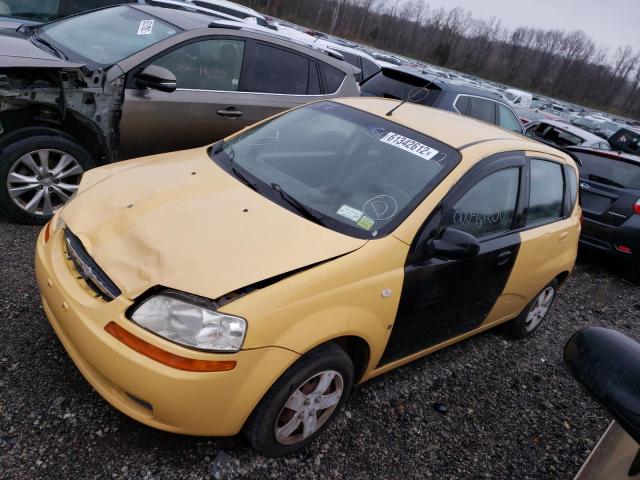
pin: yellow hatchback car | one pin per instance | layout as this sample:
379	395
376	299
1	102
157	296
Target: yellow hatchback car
249	285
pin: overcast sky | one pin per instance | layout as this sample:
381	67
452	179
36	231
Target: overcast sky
610	23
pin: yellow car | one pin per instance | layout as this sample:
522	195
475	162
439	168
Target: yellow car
249	285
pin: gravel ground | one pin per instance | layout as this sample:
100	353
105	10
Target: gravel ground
512	410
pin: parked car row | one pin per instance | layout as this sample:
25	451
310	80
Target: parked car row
420	227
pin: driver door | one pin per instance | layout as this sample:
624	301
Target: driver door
207	105
444	298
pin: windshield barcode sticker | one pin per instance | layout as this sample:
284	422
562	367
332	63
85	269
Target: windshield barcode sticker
145	28
409	145
350	213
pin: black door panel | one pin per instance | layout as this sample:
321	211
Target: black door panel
442	299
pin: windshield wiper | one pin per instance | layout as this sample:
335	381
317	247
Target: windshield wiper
244	179
58	53
299	206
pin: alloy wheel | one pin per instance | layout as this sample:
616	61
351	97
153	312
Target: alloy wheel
42	181
539	309
309	407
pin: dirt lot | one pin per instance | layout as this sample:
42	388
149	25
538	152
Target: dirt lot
512	410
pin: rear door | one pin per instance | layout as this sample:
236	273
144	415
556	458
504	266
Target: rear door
609	188
442	299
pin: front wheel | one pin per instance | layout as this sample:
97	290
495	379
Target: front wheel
38	175
302	403
532	316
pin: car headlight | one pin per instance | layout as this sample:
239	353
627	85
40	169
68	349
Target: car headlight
188	321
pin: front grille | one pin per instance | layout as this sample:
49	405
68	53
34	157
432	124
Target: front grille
88	270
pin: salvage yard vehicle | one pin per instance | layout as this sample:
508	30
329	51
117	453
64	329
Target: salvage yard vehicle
249	285
607	364
610	199
134	80
38	11
453	95
564	134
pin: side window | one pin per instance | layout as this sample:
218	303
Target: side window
482	109
331	78
488	207
545	192
280	71
462	104
369	69
314	80
206	65
507	119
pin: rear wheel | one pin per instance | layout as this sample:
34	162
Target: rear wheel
38	175
302	403
532	316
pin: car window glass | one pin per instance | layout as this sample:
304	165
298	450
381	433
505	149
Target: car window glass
314	80
279	71
39	10
109	35
462	104
545	192
369	69
331	78
206	65
610	171
357	170
482	109
572	187
508	120
488	207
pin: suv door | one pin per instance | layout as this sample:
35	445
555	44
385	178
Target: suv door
208	104
442	298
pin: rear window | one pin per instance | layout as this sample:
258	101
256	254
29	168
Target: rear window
554	135
609	171
279	71
400	86
331	78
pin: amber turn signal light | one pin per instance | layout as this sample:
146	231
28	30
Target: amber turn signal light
166	358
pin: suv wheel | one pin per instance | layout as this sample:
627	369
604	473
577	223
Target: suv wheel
38	175
302	403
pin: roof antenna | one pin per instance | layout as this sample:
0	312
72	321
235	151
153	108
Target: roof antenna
412	97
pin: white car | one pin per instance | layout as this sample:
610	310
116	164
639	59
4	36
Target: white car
564	135
518	98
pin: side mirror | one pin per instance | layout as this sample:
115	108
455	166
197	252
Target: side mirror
607	363
454	245
157	78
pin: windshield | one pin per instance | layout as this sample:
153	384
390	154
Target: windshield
358	173
37	10
107	36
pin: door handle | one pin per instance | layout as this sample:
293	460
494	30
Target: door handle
564	236
230	112
504	257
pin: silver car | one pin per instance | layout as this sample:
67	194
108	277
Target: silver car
564	135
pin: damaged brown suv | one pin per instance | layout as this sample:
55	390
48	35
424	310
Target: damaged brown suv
134	80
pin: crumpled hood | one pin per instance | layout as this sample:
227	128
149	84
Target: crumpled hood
16	50
178	220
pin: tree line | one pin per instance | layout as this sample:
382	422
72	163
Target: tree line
556	63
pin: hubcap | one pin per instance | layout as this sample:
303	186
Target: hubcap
44	180
539	309
309	407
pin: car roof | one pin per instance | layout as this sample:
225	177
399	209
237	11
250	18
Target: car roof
579	132
187	20
235	6
451	128
605	154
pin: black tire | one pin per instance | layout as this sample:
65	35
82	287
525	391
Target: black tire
631	271
260	427
11	153
519	327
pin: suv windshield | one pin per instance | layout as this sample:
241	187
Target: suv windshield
353	171
107	36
